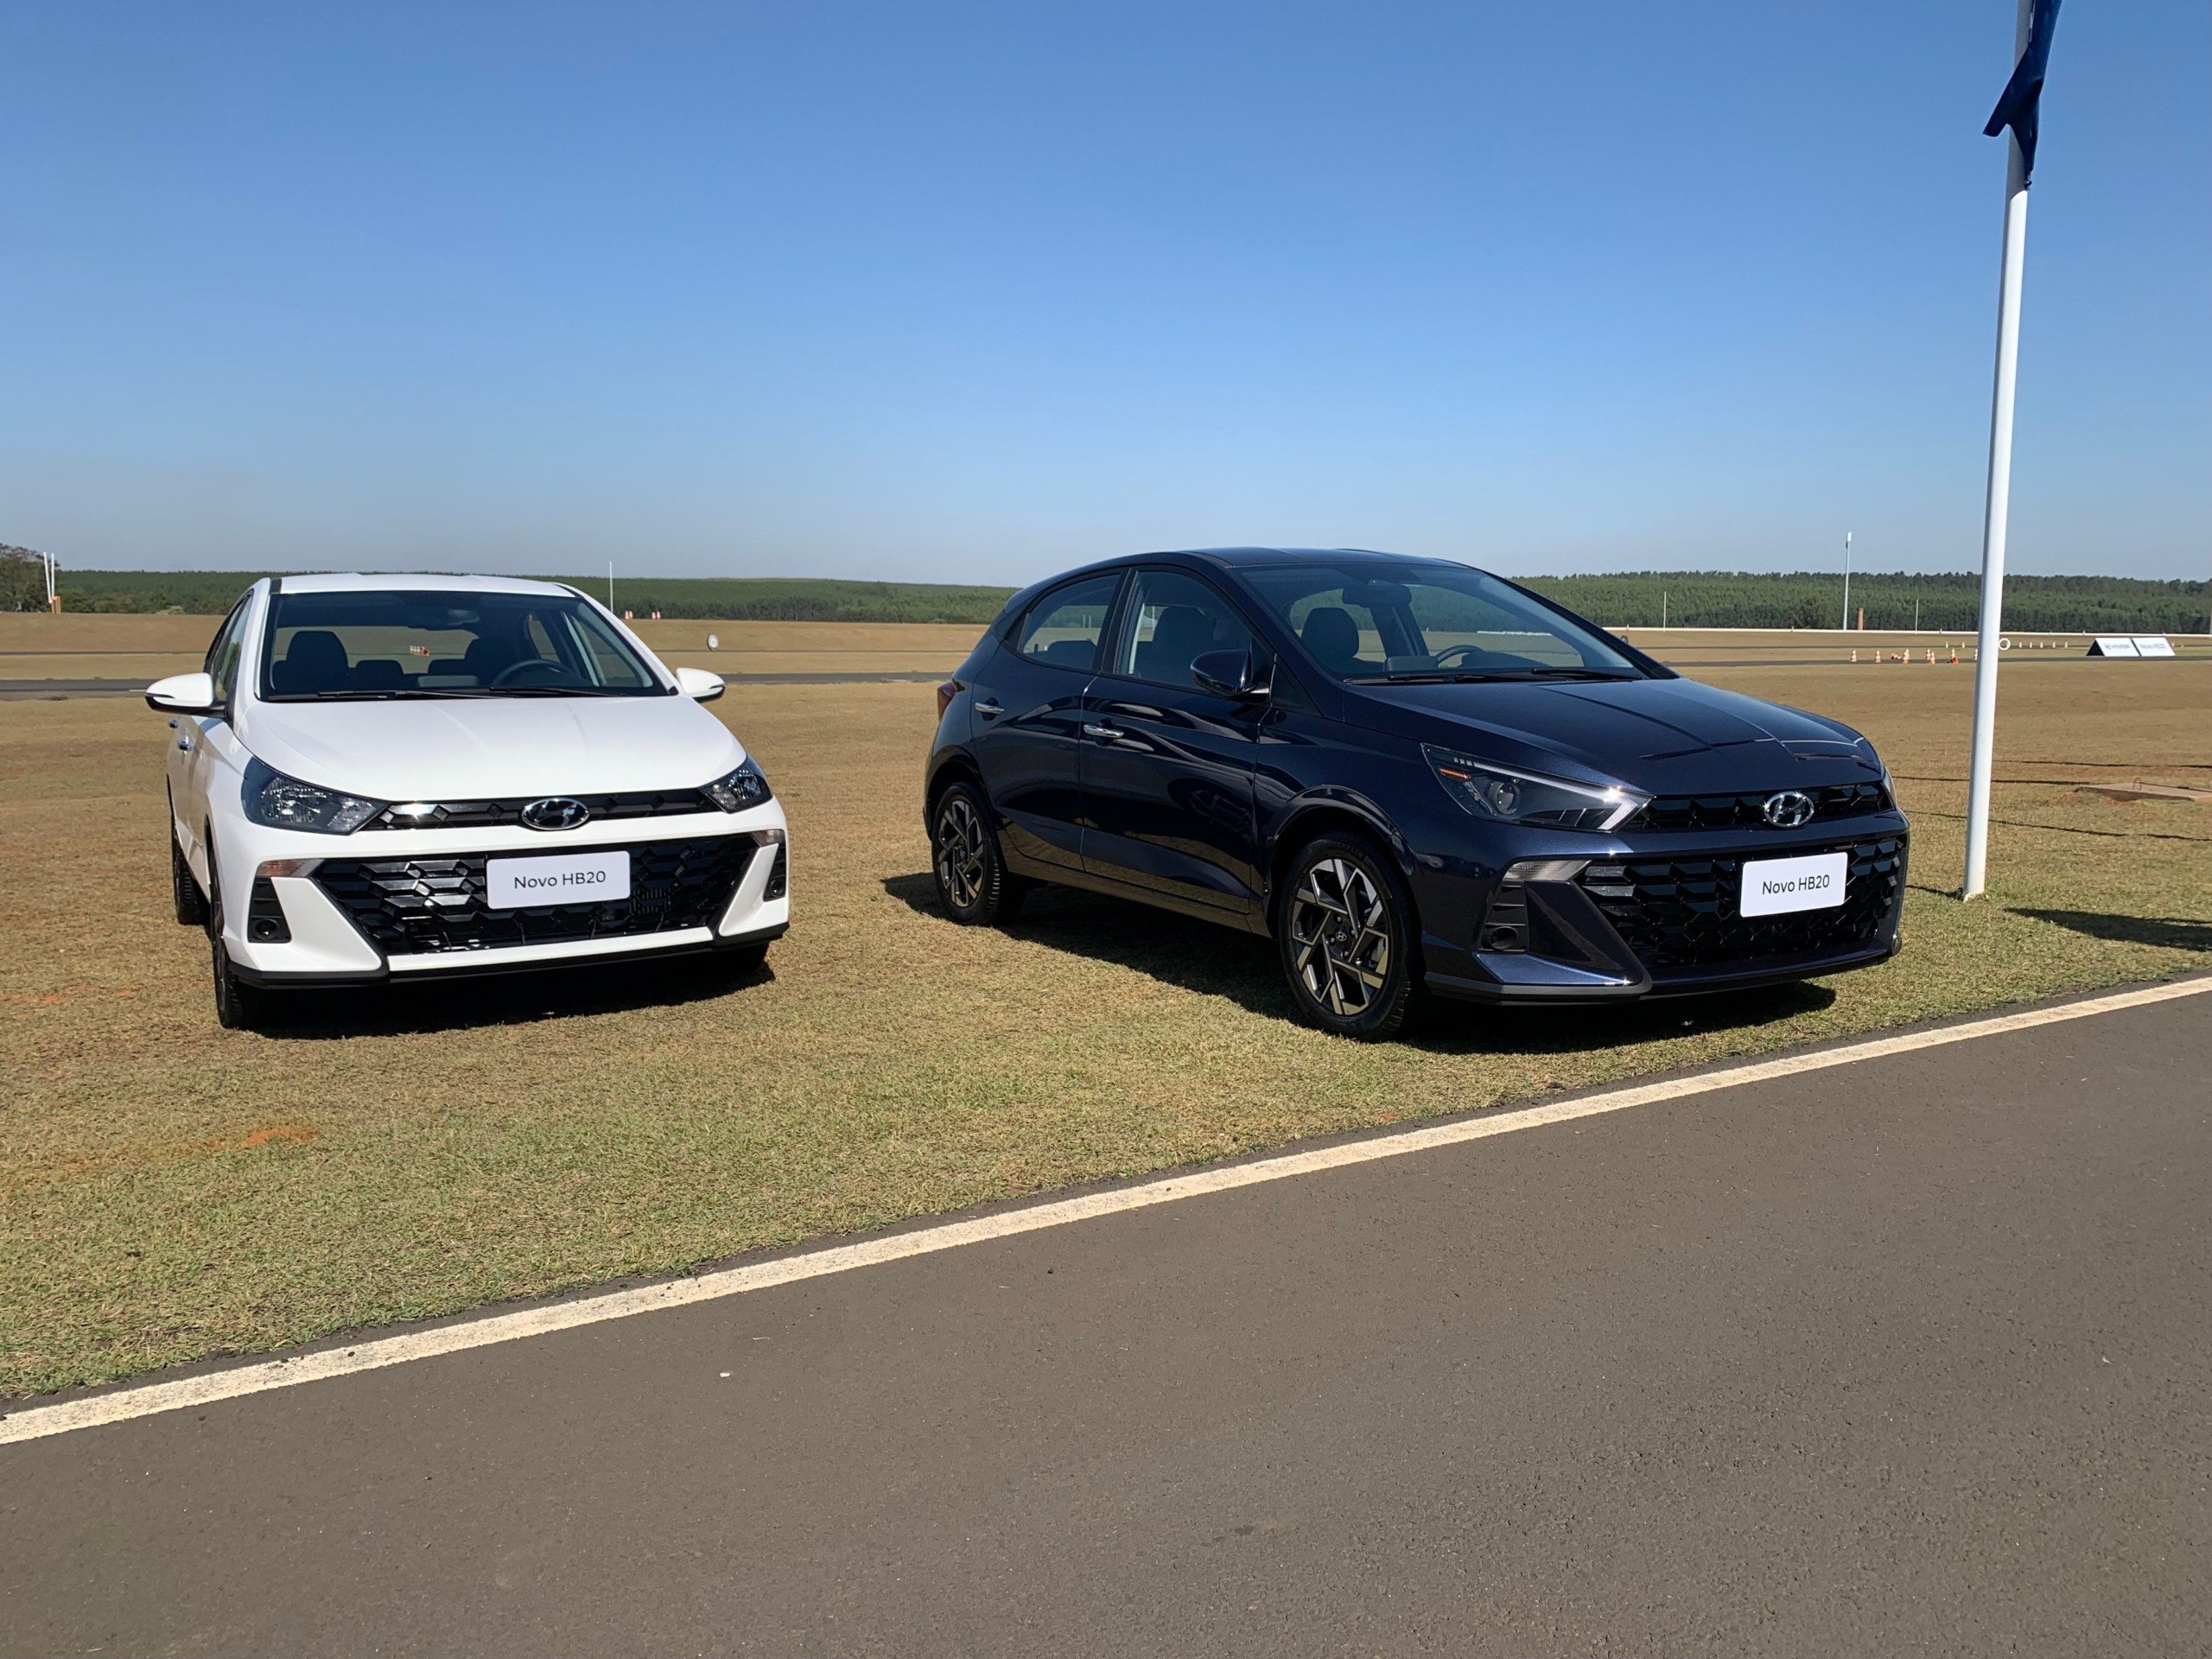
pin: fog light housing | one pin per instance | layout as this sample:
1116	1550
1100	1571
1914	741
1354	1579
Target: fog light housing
265	915
1505	924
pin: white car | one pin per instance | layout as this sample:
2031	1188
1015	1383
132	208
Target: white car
407	776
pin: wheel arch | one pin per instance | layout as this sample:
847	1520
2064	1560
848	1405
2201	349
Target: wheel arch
1333	813
951	767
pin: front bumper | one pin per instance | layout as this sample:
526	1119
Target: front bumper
1657	916
412	904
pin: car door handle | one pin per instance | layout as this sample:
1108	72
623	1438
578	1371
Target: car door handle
1107	733
990	709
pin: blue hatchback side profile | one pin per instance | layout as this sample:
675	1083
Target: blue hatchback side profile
1417	778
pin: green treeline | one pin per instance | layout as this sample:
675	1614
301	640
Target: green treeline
1711	599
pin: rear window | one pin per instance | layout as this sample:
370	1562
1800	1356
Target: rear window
398	644
1064	627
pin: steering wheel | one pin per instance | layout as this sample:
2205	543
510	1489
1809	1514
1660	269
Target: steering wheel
1462	651
550	673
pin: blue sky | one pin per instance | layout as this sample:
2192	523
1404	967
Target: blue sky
972	292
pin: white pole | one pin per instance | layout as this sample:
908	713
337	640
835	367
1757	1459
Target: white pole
1846	579
610	584
1997	503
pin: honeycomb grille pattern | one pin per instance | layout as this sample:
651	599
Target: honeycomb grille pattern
477	815
411	905
1679	913
1830	802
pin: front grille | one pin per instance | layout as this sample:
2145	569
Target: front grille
475	815
1830	802
411	905
1681	913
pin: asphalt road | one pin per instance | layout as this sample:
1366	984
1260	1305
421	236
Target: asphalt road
1906	1357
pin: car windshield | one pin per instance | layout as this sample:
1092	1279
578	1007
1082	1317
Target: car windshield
374	644
1374	623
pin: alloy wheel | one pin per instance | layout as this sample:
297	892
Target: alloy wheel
962	848
1340	936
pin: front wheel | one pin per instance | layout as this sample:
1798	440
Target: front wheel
184	889
1345	929
973	882
743	960
239	1006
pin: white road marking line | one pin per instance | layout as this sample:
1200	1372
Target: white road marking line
35	1422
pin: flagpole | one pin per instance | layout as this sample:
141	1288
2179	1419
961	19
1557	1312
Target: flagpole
1997	503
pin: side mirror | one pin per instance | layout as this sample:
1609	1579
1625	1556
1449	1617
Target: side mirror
1228	674
698	684
183	694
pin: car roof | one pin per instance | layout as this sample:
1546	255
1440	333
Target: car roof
349	582
1234	557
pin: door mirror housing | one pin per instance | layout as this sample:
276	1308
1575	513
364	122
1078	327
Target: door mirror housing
184	694
1229	674
698	684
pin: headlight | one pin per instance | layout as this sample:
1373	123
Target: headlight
1492	792
284	803
741	790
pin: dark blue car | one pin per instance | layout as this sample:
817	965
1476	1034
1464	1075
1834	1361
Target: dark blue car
1417	778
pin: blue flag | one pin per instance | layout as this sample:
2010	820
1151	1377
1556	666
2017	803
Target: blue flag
2023	92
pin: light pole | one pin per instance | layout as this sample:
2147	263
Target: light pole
1846	581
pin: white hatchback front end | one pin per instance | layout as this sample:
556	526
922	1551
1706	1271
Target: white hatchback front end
401	776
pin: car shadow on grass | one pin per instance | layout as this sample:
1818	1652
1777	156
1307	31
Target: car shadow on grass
2171	932
1215	961
474	1002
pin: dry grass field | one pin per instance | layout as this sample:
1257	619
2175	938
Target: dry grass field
170	1191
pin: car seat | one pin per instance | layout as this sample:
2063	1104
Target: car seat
314	662
1183	631
1333	638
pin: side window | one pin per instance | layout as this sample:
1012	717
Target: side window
607	663
1174	618
222	664
1063	626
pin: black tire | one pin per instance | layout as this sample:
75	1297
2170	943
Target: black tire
184	886
973	882
743	960
1344	928
239	1006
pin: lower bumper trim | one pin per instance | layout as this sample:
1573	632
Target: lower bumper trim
464	965
1713	983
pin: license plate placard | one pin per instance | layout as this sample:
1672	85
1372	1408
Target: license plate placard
1775	886
561	879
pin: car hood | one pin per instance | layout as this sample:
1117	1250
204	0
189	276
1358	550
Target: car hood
494	749
1665	737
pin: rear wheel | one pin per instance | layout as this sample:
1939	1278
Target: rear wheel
972	883
1345	929
184	889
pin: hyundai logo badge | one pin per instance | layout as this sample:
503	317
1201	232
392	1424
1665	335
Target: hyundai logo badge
559	813
1785	811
